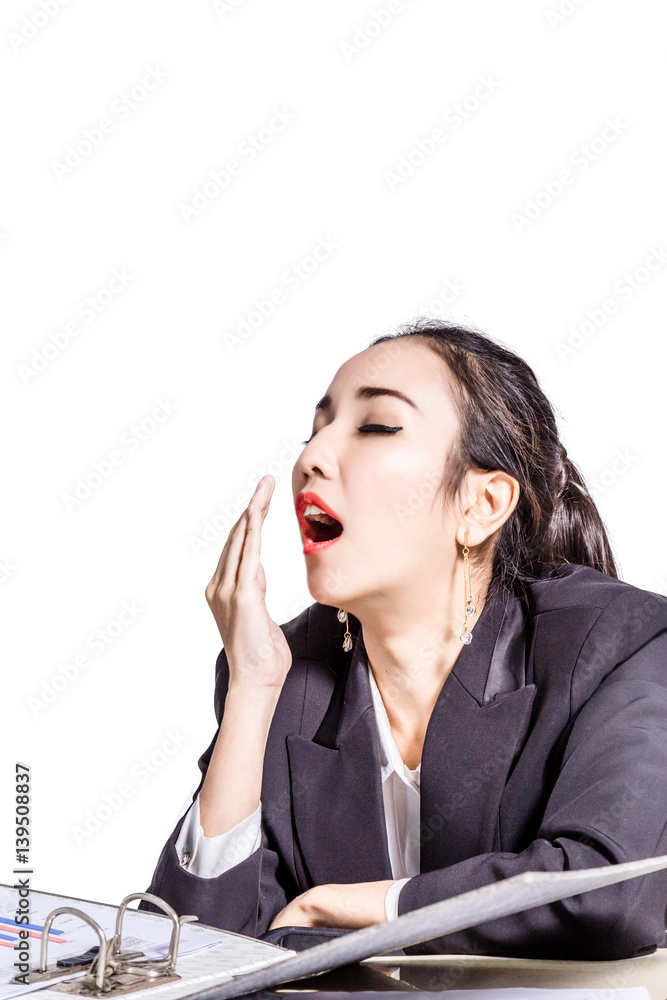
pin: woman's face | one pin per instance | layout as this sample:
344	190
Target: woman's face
380	485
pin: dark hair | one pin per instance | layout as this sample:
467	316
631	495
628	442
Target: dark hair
507	423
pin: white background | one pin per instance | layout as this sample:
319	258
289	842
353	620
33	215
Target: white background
358	96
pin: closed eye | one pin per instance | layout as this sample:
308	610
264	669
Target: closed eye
367	429
378	429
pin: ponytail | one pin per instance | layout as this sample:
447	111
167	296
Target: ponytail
576	533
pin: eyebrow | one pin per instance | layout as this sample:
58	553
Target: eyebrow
367	392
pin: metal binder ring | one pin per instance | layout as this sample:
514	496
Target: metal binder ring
151	967
102	955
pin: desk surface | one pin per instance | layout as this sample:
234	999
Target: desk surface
458	972
435	973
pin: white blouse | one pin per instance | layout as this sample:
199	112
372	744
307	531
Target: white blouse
209	857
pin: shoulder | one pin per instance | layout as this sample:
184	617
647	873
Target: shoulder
595	620
570	585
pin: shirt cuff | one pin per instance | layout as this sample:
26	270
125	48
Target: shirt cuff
209	857
391	899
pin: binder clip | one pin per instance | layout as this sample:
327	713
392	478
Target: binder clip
110	972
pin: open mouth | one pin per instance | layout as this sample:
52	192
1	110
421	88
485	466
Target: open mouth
318	526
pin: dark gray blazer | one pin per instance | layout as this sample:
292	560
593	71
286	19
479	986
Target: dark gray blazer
546	750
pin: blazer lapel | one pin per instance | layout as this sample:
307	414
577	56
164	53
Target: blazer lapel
336	786
478	724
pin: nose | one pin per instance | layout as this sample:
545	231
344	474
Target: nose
316	458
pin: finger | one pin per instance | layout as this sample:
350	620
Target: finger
230	569
231	564
237	530
231	551
249	562
261	580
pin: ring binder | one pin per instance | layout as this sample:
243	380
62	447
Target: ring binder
111	972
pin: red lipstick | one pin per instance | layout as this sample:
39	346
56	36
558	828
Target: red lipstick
308	528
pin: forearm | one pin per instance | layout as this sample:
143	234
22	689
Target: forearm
232	786
351	905
610	923
209	857
242	899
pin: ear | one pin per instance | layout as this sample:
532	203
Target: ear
491	498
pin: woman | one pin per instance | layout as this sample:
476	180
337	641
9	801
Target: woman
473	694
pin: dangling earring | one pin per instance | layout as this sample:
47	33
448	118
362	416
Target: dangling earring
347	639
466	634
